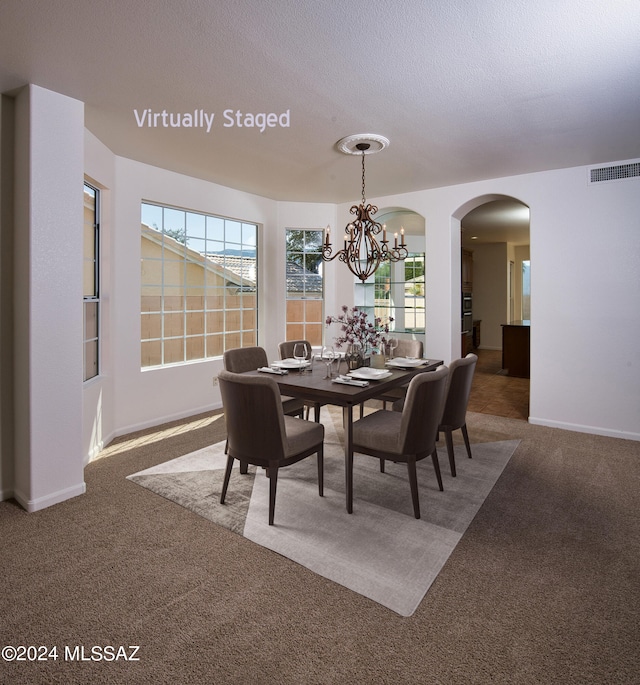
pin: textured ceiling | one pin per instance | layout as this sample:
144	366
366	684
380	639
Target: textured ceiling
464	90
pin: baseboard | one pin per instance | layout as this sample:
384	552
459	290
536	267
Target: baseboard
93	454
578	428
151	423
49	500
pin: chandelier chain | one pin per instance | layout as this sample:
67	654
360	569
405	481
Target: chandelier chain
363	195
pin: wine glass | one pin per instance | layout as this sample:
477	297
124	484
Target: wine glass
300	355
393	344
328	355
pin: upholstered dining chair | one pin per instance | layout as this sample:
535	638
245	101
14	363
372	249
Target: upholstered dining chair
286	352
454	413
406	348
409	436
260	433
244	359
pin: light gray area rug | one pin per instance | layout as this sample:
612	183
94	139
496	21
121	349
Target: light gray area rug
380	551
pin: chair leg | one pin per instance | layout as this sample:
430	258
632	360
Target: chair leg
413	484
227	476
244	467
381	465
452	460
465	435
273	484
308	410
316	412
321	470
361	409
436	468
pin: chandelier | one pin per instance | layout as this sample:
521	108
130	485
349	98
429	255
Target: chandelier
365	240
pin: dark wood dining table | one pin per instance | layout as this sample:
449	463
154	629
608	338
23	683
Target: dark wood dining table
312	386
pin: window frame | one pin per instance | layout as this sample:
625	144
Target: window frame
384	295
187	327
301	328
93	299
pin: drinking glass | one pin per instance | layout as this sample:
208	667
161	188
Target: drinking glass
393	343
300	355
328	355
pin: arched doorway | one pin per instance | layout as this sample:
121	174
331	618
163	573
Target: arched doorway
495	239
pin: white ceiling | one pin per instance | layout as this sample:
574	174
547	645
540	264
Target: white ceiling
499	221
464	90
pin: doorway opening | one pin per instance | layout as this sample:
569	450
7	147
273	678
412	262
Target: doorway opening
495	237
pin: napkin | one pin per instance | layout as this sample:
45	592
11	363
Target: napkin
345	380
268	369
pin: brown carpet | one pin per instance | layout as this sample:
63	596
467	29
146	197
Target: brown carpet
542	588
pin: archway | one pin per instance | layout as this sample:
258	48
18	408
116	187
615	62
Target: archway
495	249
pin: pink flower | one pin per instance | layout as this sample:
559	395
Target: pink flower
356	328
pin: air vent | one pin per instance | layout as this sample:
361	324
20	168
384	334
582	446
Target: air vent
617	172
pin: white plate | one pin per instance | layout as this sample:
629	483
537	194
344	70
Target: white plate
291	364
368	374
406	363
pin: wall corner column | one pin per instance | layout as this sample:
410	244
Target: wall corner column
48	317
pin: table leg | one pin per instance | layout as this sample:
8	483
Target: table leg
347	413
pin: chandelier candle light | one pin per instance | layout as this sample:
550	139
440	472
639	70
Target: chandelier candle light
362	252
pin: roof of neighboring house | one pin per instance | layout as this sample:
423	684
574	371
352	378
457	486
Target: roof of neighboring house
237	269
301	280
240	271
243	266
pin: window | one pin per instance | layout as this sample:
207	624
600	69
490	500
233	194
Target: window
305	286
526	290
91	283
199	294
396	291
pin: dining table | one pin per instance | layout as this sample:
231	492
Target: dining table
310	383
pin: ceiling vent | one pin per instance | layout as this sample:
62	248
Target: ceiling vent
615	172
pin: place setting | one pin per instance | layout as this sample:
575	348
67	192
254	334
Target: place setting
407	362
299	362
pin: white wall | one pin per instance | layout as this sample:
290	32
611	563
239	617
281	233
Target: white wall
585	318
48	298
147	397
585	252
490	301
7	171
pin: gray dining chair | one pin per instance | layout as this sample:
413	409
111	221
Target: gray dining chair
405	437
259	432
286	349
406	348
243	359
454	413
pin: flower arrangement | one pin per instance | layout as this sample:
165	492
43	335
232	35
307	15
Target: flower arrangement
356	328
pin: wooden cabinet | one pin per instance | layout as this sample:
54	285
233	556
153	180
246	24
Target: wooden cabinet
476	333
515	348
467	271
466	344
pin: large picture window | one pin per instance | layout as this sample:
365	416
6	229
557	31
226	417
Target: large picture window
91	280
305	287
198	285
